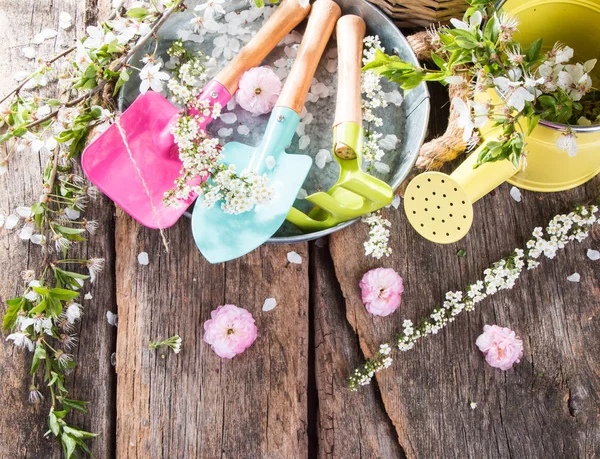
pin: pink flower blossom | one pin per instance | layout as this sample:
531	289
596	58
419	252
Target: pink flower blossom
230	331
381	291
501	347
259	90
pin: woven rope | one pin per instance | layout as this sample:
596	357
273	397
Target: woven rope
411	13
435	153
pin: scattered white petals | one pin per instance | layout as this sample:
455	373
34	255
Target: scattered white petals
389	142
332	53
225	132
322	158
515	193
591	254
301	129
28	52
311	97
44	35
293	257
473	405
88	296
1	220
231	104
65	21
11	222
396	201
143	258
282	62
270	162
229	118
308	118
111	318
304	142
243	129
269	304
382	168
393	97
575	277
302	194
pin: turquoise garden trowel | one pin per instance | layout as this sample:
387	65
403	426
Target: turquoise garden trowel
221	236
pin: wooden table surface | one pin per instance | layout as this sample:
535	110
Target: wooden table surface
285	397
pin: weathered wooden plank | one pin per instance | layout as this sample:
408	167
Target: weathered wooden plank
548	405
194	404
349	425
23	425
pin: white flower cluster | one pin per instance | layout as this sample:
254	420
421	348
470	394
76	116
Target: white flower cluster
503	274
239	193
379	235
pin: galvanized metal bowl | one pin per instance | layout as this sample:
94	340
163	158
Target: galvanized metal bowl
408	122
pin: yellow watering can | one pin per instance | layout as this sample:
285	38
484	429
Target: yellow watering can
440	206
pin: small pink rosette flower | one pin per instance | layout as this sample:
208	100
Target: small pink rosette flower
381	291
501	346
230	331
259	90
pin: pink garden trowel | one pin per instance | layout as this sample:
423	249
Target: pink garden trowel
135	161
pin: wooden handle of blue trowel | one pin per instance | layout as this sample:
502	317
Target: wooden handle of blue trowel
350	35
321	23
285	18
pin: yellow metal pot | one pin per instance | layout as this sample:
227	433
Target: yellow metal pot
575	23
440	207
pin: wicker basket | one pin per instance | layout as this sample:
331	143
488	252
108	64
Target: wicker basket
415	13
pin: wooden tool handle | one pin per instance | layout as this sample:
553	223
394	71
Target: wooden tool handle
287	16
350	34
321	22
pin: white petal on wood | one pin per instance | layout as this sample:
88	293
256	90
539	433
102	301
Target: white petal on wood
591	254
1	220
515	193
28	52
331	66
269	304
143	258
11	222
65	21
45	34
396	201
111	318
575	277
293	257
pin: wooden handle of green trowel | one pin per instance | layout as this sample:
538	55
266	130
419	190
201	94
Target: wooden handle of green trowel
350	35
321	22
285	18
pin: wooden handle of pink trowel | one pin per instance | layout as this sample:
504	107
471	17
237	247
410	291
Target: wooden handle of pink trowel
350	35
285	18
321	22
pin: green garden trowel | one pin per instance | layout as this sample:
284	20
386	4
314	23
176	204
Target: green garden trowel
355	193
221	236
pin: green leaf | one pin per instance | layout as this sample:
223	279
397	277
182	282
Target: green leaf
461	253
259	3
137	13
535	50
63	294
466	43
41	307
71	274
12	312
492	29
78	405
79	433
53	424
38	355
69	445
68	231
438	61
532	122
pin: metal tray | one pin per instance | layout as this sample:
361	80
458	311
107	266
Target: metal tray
408	122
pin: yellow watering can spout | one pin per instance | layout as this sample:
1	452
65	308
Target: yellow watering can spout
440	206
